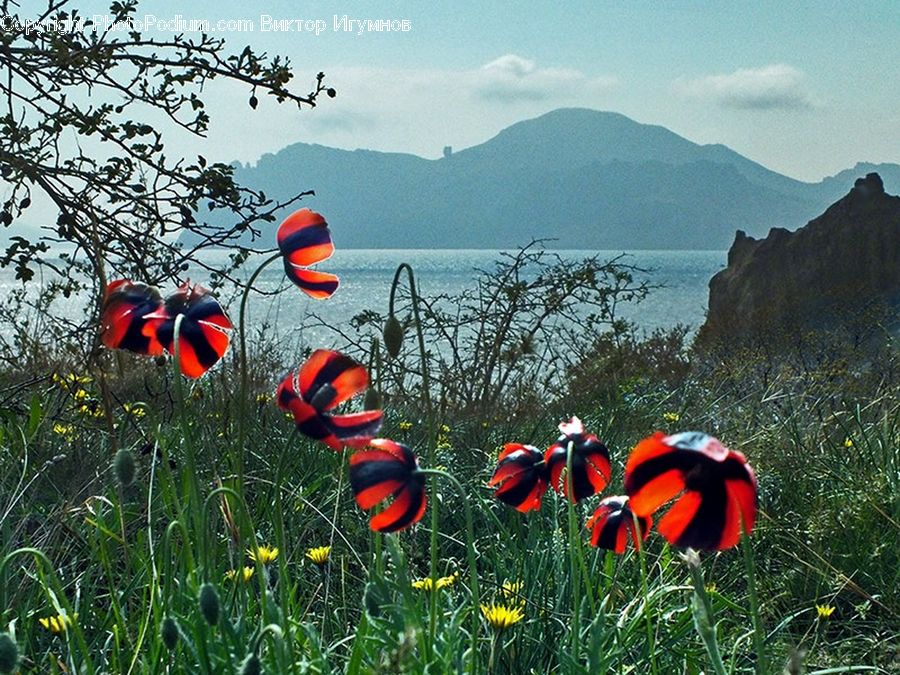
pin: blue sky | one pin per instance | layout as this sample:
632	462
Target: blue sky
805	88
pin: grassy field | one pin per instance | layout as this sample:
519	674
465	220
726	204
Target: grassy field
146	555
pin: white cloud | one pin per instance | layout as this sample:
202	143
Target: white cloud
512	78
776	86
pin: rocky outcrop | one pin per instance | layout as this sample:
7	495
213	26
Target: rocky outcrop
839	268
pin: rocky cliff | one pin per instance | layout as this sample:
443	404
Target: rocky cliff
840	267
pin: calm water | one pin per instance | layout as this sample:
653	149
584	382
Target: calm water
366	277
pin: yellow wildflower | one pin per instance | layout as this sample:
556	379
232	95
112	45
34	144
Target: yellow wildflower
263	398
445	429
824	611
90	409
246	574
319	555
56	624
263	554
136	410
511	588
444	582
671	417
711	587
429	584
67	431
80	395
501	617
71	380
405	426
425	584
848	442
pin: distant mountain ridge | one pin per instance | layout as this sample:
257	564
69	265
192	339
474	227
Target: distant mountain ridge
588	179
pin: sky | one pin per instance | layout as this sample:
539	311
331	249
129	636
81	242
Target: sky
804	88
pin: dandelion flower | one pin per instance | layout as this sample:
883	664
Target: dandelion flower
445	582
671	417
429	584
511	588
405	426
319	555
501	617
263	554
824	611
56	624
425	584
246	573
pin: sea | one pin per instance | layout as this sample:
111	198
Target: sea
679	296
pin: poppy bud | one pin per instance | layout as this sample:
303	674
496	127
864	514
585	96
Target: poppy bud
9	654
372	400
331	92
169	633
254	102
124	467
209	604
393	336
251	665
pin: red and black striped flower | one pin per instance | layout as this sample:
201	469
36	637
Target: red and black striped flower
123	317
613	523
304	240
591	470
388	469
521	477
326	380
203	334
717	489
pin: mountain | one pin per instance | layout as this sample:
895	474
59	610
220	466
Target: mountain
588	179
841	268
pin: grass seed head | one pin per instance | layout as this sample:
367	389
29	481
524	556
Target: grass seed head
124	467
9	654
209	604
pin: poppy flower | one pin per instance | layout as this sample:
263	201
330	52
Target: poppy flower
123	317
591	470
717	488
203	337
304	240
521	475
388	469
325	381
613	522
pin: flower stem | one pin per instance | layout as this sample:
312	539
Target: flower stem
651	642
242	400
473	564
426	381
573	543
704	621
758	630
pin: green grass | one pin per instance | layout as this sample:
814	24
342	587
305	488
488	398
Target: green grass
124	558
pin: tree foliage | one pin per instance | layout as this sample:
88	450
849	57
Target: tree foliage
83	120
